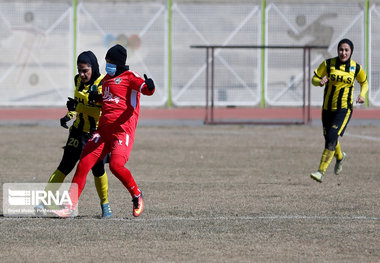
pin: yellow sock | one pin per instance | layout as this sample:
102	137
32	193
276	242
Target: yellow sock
57	178
338	152
55	181
101	184
326	158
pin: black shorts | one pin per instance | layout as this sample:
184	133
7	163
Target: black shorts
77	140
336	121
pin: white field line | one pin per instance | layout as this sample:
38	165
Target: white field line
364	137
219	218
248	132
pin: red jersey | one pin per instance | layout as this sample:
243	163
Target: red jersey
121	100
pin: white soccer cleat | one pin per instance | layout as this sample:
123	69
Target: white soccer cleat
317	176
339	164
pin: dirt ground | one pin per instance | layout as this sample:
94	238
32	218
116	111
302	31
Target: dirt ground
212	194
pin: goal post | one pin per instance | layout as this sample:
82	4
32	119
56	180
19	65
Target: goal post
233	113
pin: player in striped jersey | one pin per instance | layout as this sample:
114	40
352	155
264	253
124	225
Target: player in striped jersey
337	75
87	116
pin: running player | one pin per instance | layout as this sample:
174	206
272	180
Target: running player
337	75
116	132
87	117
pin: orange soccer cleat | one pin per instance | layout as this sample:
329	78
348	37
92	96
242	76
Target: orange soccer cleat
65	212
138	205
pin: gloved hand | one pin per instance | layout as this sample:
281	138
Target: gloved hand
64	121
93	94
149	82
71	104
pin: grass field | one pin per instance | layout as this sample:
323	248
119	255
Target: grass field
212	194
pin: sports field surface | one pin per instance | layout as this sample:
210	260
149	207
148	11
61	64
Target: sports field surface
212	194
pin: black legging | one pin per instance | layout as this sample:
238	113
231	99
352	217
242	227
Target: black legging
72	151
333	122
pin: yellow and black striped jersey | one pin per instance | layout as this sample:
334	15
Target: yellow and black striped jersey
87	114
339	89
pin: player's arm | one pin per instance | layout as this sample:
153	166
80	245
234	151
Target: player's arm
146	86
69	115
71	105
362	79
63	121
320	75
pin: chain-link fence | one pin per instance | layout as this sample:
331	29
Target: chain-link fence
41	39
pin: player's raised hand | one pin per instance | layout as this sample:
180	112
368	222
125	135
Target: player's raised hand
149	82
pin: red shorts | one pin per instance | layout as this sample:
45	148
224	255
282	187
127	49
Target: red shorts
106	141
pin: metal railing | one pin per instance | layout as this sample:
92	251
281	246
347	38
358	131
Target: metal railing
210	83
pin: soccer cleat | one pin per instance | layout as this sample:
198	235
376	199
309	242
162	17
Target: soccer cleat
65	212
106	210
339	164
40	210
317	176
138	205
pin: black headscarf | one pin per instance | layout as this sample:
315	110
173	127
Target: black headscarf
349	42
118	55
89	58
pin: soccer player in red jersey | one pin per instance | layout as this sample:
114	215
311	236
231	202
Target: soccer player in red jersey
116	131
